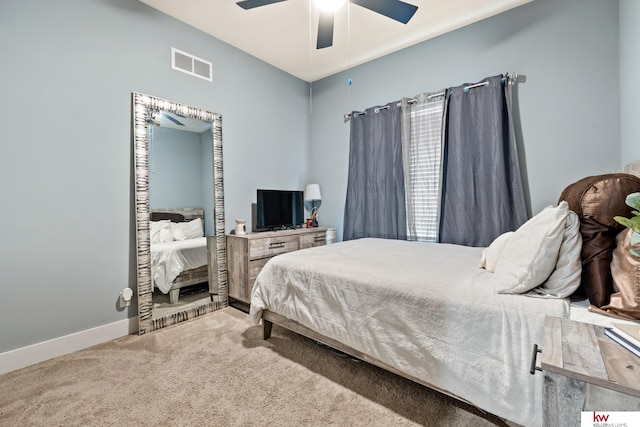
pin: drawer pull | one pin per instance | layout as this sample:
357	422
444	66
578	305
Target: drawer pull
319	239
276	245
534	356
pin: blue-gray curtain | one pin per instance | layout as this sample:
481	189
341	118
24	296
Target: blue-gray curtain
483	194
375	202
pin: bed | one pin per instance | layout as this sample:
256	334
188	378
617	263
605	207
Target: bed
179	256
428	312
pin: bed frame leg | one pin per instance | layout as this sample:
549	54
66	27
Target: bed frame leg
266	329
174	295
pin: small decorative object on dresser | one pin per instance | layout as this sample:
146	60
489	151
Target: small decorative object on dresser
241	227
248	253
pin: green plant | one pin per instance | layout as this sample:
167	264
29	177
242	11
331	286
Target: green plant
633	223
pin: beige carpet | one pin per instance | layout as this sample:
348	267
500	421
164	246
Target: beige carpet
217	371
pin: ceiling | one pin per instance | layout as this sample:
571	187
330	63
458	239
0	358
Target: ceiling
284	34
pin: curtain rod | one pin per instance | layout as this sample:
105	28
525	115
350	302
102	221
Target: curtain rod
510	77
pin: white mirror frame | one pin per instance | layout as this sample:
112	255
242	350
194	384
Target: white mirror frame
142	104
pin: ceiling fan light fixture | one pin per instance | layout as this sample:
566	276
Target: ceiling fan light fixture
329	5
393	9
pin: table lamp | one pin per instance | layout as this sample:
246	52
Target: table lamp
312	201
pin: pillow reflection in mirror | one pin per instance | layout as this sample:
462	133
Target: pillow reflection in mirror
193	229
165	235
156	227
177	230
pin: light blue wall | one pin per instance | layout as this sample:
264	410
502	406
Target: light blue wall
568	106
69	67
629	73
68	70
175	169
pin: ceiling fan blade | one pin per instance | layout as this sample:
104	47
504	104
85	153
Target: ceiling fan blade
325	29
250	4
394	9
168	116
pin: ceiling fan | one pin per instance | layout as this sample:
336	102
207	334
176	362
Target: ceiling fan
154	117
171	118
394	9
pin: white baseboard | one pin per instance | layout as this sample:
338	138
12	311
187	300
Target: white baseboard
36	353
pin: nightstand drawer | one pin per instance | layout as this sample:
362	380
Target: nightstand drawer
311	240
271	246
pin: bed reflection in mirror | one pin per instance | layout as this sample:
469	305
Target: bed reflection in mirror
180	210
181	204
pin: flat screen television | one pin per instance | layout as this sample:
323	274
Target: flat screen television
278	209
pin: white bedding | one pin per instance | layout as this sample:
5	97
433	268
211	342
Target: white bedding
170	259
426	309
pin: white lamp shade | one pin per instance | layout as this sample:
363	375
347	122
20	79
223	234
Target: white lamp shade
312	192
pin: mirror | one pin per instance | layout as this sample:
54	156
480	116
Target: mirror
167	136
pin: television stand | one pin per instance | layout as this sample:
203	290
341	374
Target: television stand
274	229
248	253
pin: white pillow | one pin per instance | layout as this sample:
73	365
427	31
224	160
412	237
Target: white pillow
155	227
192	229
491	254
165	235
530	255
566	276
177	230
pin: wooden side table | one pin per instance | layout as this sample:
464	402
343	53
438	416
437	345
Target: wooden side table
584	370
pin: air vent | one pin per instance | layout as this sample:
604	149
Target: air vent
187	63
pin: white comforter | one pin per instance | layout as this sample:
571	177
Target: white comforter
426	309
170	259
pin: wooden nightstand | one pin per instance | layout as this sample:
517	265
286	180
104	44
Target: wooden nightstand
584	370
